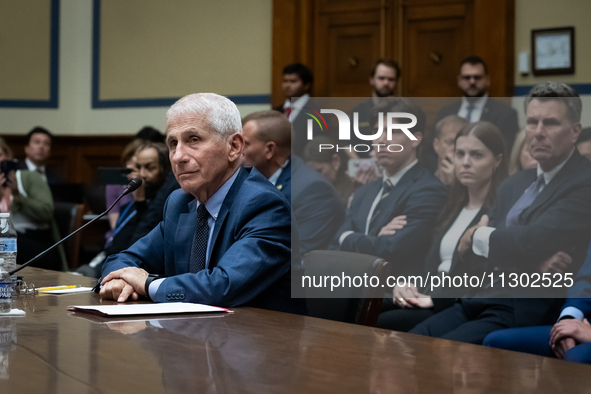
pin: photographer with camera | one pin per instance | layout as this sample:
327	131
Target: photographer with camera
28	198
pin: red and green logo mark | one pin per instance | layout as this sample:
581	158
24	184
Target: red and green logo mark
315	115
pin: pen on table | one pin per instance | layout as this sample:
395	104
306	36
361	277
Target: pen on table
97	287
57	287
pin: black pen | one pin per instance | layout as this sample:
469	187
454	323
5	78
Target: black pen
97	287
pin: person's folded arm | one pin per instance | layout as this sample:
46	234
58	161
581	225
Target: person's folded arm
562	225
421	210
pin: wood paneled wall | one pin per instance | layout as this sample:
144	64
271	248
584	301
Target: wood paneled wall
340	39
78	157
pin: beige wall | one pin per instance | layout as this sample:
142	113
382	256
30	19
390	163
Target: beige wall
75	115
539	14
24	49
155	48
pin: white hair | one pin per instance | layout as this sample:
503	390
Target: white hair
221	114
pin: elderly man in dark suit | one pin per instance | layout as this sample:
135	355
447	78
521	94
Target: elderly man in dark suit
393	217
314	201
226	236
540	215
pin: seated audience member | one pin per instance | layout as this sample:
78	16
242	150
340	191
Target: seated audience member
568	339
112	192
443	144
28	198
315	203
146	134
226	236
296	86
520	157
480	164
330	164
38	151
584	143
538	214
152	165
406	189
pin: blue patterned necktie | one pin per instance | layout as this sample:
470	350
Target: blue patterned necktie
528	196
199	248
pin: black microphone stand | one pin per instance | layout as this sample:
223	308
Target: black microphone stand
130	188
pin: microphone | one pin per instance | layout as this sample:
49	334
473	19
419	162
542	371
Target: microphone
132	186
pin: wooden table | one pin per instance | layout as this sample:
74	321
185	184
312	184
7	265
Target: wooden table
250	351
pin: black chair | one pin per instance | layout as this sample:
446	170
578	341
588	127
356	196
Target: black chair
364	310
68	217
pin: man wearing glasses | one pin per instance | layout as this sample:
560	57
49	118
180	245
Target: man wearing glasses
475	104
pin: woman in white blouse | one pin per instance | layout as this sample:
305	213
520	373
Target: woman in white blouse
480	163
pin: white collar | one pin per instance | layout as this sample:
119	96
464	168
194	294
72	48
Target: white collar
31	166
394	179
552	173
273	178
300	102
476	104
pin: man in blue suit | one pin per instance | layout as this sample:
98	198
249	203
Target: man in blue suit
569	339
314	201
226	236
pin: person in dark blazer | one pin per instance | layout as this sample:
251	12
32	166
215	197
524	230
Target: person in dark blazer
407	189
475	105
38	151
539	214
480	164
383	79
296	86
314	202
569	339
226	236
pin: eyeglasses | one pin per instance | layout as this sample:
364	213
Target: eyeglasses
467	78
22	287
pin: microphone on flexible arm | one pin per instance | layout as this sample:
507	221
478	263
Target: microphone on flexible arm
132	186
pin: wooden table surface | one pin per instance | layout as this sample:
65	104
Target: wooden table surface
52	350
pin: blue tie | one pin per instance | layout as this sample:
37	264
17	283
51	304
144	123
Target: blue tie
528	196
199	248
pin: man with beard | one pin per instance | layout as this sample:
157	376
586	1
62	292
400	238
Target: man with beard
475	104
383	79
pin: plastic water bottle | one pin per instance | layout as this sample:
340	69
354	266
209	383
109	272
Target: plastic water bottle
8	245
5	289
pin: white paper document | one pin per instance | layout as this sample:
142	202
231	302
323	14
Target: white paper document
67	291
146	309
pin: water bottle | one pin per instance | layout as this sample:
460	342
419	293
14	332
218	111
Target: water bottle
8	245
5	289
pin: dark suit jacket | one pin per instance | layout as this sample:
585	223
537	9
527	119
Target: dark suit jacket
458	267
299	127
53	177
250	256
579	295
559	219
495	112
418	195
315	203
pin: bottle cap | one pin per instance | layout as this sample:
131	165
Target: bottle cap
5	215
